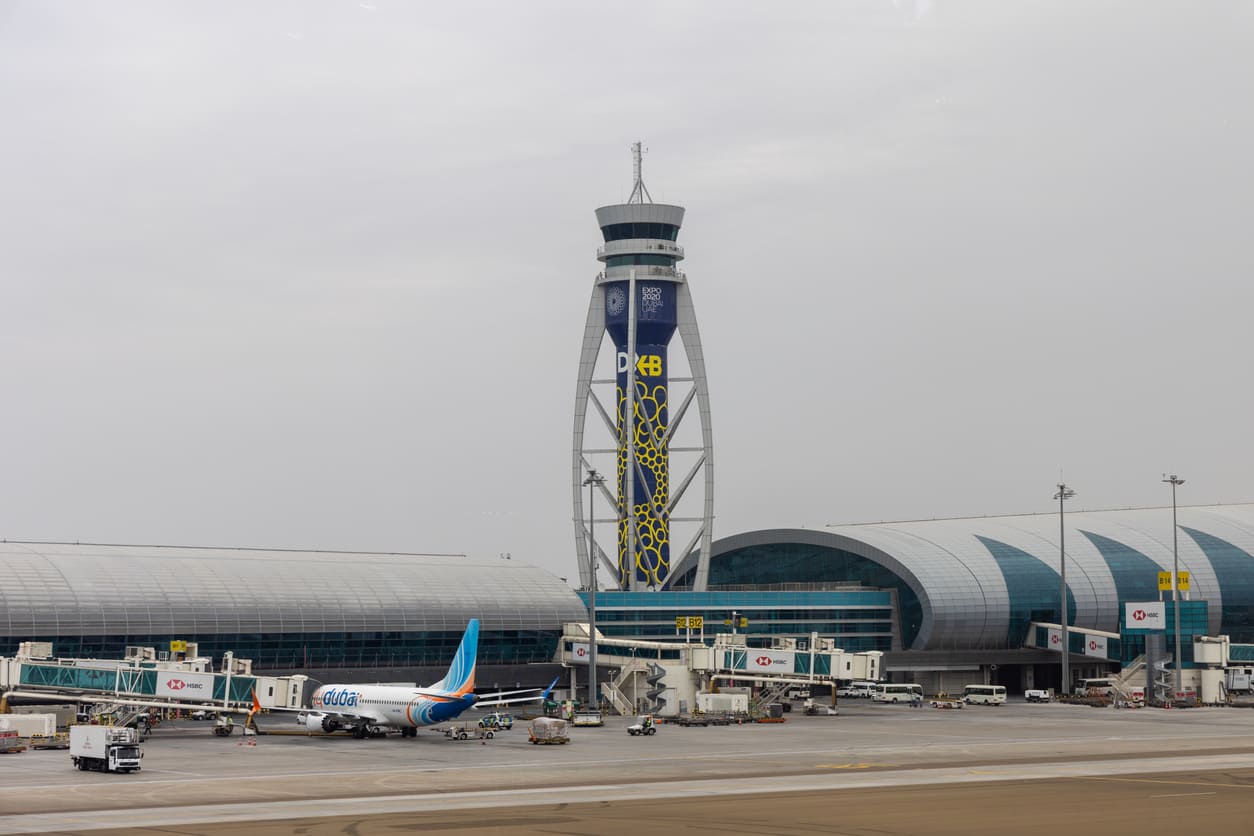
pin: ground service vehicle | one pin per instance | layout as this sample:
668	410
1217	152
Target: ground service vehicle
813	709
465	731
57	740
859	689
548	730
587	718
692	720
1037	695
984	694
498	720
642	726
898	692
946	701
1100	687
10	742
105	748
1239	680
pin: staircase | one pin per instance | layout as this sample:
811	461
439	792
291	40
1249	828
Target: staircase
769	693
653	679
1130	681
615	692
1164	682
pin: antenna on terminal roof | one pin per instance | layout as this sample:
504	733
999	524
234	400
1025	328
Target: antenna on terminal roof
639	194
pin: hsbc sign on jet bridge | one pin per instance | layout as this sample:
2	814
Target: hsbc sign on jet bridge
186	686
769	661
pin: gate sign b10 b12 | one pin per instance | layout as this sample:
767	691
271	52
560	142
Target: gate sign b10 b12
1145	615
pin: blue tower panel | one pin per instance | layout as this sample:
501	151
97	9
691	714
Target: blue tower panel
656	320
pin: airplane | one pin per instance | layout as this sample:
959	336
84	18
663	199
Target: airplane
372	709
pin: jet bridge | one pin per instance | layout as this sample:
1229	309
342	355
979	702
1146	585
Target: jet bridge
665	677
141	679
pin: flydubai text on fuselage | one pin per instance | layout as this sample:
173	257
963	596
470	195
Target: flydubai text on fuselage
367	708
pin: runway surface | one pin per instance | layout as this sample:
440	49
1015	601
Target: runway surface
874	770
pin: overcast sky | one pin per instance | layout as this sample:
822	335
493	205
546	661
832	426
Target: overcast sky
314	275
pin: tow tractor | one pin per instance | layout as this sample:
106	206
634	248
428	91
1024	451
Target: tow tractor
643	725
813	709
465	731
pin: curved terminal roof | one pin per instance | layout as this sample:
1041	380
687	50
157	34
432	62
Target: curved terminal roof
71	589
977	582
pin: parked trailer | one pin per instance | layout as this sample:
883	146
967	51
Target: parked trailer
28	725
548	730
58	740
105	748
10	743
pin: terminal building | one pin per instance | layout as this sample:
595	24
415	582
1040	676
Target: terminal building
958	601
948	602
355	617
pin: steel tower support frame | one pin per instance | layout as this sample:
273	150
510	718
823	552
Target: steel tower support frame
593	339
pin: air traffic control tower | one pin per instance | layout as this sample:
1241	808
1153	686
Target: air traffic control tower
624	450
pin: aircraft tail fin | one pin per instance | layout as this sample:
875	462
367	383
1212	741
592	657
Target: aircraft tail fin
460	679
549	690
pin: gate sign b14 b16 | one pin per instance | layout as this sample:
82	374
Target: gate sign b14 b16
1145	615
768	661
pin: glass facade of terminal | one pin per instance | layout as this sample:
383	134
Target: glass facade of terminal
801	565
858	620
1234	569
1032	586
1194	617
284	651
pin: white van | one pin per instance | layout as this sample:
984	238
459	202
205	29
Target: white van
984	694
898	692
857	690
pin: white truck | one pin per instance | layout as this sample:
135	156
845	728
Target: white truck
1239	680
105	748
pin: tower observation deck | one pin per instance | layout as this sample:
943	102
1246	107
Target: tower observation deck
640	301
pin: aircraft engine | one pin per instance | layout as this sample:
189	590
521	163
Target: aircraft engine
314	721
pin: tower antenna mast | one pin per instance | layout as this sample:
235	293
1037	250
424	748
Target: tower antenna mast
638	192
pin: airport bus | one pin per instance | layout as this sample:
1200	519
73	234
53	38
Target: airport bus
984	694
897	692
1099	687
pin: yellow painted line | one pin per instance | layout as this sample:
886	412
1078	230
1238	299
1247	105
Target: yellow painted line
847	765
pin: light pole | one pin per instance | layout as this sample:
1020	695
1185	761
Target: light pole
1064	493
1175	570
593	481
